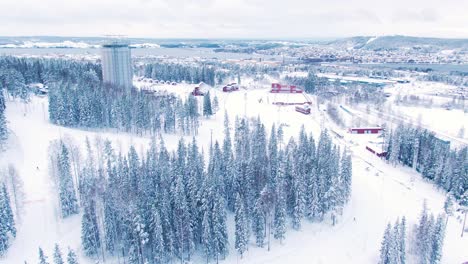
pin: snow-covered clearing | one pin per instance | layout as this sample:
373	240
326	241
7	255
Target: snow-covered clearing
381	192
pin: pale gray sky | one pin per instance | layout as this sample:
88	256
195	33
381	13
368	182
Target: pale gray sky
234	18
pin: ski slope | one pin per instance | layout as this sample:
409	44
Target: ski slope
380	192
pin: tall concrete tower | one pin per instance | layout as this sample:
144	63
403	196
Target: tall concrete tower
117	63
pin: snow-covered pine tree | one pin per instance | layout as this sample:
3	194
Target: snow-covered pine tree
90	239
444	180
157	237
182	230
206	236
420	235
67	195
396	245
428	229
273	163
438	235
385	248
140	237
395	147
42	257
110	222
228	165
346	176
134	171
448	207
71	257
297	187
219	228
324	163
460	173
7	223
58	259
333	195
310	180
258	224
280	208
241	233
6	212
402	241
4	243
215	104
207	109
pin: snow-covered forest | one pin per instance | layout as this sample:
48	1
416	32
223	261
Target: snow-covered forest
164	205
157	175
431	156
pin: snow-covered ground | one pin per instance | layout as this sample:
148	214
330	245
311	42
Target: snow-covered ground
381	192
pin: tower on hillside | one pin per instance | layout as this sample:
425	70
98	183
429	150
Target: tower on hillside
116	62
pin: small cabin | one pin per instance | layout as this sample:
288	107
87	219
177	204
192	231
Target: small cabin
365	130
376	150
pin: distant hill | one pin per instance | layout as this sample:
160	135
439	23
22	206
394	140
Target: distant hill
399	42
244	45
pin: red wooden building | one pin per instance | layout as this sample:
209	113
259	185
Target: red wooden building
197	92
365	130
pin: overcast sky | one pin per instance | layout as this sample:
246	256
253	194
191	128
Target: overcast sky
234	18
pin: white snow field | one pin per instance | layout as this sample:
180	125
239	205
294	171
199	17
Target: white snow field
380	192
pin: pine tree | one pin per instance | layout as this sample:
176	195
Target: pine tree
42	257
157	239
259	227
346	176
182	230
7	224
71	257
241	232
426	243
273	162
207	110
448	207
385	248
280	209
228	165
220	235
421	229
396	243
57	255
206	236
67	195
395	147
90	239
215	104
437	240
6	212
402	240
110	221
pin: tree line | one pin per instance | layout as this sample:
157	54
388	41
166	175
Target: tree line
162	205
431	156
16	73
92	104
179	72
